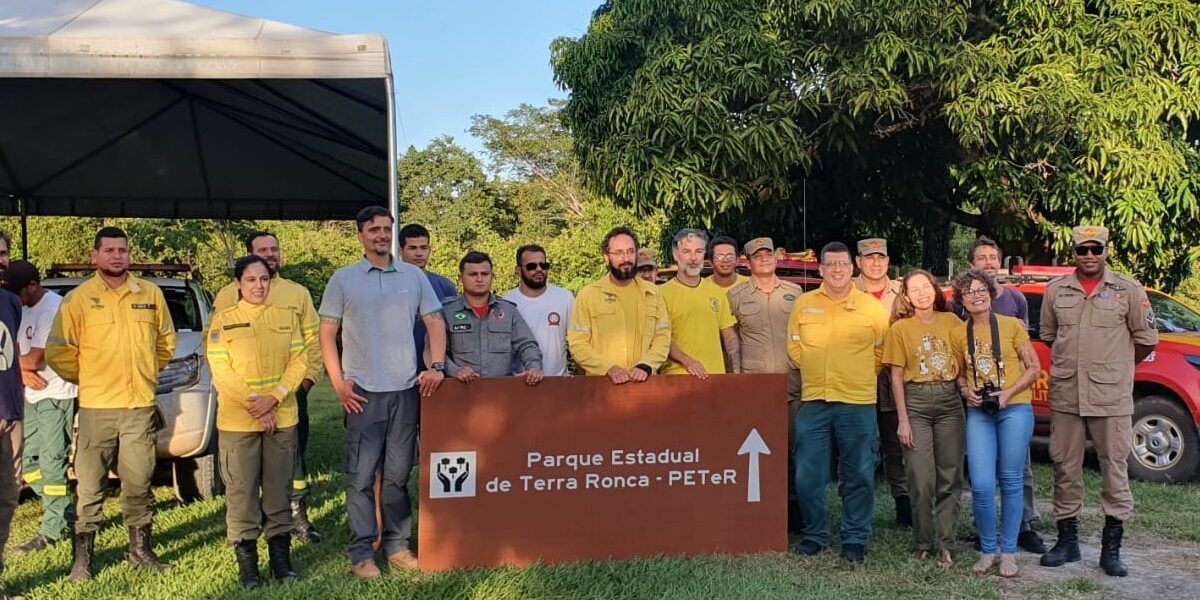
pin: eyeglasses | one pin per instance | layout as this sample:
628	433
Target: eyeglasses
1086	250
836	264
631	252
533	266
975	292
724	257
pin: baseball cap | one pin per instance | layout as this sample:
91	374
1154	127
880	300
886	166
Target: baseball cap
646	258
872	246
18	275
1081	234
756	244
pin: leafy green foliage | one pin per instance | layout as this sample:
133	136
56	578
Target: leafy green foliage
1018	118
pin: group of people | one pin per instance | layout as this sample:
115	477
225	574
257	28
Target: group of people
877	371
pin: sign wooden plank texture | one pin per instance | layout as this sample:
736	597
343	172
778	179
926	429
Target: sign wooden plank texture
579	469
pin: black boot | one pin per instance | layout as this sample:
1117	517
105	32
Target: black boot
141	550
301	528
84	546
280	557
247	561
1066	549
903	511
1110	548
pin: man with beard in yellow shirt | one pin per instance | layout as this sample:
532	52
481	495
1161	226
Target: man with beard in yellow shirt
619	327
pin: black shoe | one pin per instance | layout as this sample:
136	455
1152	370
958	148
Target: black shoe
247	562
83	546
809	548
903	511
37	543
975	543
301	528
279	557
1066	548
1030	541
1110	548
141	550
854	553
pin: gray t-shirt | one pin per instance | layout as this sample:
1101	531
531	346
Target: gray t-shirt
377	309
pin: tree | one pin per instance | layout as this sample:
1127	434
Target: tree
1017	118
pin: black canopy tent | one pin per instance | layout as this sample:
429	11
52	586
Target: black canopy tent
159	108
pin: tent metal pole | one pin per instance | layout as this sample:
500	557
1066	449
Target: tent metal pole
393	193
24	229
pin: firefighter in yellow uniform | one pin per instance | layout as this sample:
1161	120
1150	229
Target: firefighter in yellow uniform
256	353
296	298
1099	325
112	336
619	326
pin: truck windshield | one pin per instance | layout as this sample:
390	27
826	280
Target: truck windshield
1173	317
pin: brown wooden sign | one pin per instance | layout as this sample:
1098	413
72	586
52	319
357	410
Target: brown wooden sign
579	469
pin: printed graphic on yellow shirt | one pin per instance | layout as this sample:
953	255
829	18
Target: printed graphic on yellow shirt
986	368
933	358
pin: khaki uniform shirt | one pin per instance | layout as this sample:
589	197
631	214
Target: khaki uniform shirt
889	295
1092	343
762	318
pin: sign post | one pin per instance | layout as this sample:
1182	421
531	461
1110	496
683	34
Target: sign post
579	469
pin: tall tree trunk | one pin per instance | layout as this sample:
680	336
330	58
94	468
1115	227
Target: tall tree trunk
936	256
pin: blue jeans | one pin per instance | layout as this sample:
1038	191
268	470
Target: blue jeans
854	429
998	441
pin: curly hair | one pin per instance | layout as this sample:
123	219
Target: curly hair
902	308
962	283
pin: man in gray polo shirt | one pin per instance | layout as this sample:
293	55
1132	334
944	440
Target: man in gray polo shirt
376	302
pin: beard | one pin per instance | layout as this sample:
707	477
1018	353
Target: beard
692	271
113	272
622	272
533	283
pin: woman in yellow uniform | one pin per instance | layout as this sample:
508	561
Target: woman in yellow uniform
256	353
923	370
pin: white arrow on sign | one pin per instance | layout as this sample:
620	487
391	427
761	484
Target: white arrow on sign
754	445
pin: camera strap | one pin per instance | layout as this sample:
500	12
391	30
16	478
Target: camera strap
995	330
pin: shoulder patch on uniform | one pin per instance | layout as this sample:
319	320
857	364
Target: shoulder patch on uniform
214	335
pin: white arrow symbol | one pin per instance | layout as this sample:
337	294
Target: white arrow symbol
754	445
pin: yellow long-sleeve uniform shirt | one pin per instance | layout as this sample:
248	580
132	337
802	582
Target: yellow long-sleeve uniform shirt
254	350
603	333
113	343
296	298
832	342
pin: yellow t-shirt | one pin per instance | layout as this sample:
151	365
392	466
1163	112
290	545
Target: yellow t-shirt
923	349
697	315
1013	335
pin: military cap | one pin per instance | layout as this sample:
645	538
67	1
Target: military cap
872	246
1090	233
646	258
756	244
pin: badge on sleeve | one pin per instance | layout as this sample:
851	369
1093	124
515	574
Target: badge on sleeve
215	336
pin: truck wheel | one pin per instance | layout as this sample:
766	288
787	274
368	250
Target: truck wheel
198	479
1166	445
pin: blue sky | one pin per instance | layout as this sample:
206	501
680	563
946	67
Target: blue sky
451	59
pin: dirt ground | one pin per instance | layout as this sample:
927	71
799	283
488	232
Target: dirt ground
1158	568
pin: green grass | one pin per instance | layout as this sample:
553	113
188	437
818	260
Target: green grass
192	538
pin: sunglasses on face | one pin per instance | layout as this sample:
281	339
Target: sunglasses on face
1086	250
533	266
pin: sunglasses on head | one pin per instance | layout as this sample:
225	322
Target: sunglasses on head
531	266
1085	250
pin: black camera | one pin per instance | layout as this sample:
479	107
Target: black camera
989	403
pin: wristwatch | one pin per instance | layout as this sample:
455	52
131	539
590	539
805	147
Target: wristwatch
438	366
